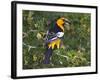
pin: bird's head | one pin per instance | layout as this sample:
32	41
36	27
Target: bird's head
63	22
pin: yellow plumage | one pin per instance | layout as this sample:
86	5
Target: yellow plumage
54	43
60	23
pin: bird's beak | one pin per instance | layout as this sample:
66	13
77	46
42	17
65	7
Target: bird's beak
67	22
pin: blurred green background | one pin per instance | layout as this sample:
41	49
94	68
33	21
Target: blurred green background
76	40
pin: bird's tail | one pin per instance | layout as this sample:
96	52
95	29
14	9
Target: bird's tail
48	54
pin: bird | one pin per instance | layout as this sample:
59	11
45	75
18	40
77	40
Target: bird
54	37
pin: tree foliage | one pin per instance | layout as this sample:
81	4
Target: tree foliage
76	40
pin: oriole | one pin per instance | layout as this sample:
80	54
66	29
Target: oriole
54	37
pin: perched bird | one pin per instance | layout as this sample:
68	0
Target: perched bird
54	37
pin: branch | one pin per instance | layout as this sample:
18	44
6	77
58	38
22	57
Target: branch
29	47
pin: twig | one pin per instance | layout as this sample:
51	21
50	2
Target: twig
29	47
62	56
